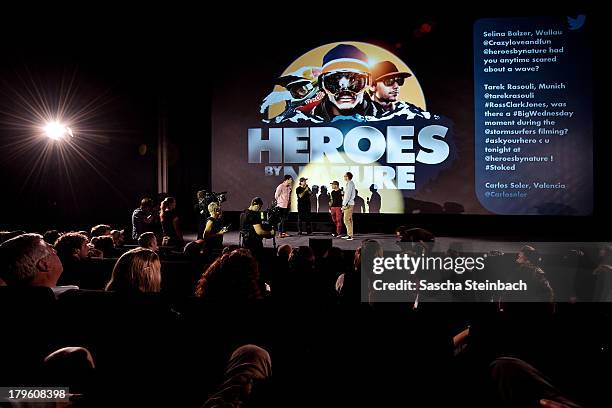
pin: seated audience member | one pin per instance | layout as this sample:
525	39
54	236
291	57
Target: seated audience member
73	250
214	229
51	236
232	277
348	285
118	238
27	260
137	270
100	230
195	249
148	240
519	384
538	287
106	245
86	233
248	366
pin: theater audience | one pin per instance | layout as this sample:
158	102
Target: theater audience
233	277
137	270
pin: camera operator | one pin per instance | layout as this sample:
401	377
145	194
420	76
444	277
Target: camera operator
283	199
303	193
252	230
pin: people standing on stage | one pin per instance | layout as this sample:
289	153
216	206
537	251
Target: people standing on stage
170	223
374	202
335	205
304	193
251	230
348	202
283	201
214	229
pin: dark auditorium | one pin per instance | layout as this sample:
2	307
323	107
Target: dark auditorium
306	206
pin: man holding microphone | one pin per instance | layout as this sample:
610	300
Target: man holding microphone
303	193
348	202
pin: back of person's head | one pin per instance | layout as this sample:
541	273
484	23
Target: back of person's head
232	277
368	249
100	230
194	249
138	270
19	258
284	251
146	203
146	240
51	236
302	260
69	245
256	201
531	255
106	245
86	233
6	235
118	237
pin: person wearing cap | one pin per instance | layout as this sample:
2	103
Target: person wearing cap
335	207
386	83
348	202
303	193
345	77
282	195
385	89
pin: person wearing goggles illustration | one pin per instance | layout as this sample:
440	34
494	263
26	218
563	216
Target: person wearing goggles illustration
345	78
301	94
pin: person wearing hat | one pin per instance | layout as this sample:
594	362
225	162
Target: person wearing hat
335	207
303	193
385	87
345	77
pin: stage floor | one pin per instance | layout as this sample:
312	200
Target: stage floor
388	242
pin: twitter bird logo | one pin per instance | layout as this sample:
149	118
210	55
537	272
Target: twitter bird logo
576	23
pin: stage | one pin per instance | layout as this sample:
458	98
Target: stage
388	242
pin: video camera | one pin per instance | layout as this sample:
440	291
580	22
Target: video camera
271	216
211	196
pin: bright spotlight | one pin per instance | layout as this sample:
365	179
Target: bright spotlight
56	131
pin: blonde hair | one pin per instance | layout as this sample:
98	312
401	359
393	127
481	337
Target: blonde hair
137	270
212	207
